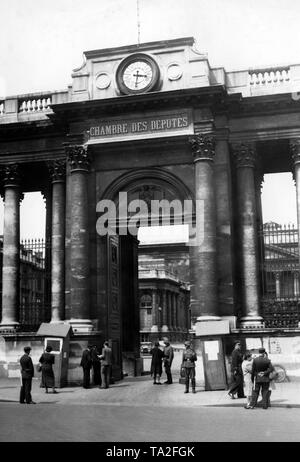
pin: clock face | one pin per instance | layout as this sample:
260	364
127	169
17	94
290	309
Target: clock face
138	73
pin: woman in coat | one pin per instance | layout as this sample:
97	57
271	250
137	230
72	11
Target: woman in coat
47	360
156	363
247	370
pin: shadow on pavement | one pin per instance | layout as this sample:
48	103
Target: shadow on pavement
120	386
286	406
9	401
47	402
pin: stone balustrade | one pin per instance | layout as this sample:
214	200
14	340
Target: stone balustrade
36	104
270	76
157	274
32	105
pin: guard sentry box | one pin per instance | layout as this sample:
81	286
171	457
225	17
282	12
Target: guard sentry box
58	337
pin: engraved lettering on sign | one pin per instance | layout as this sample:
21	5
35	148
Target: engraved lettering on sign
162	123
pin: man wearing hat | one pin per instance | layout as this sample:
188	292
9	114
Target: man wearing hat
188	362
261	369
237	386
168	359
27	372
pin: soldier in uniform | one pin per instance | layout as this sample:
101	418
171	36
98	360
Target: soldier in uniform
188	362
168	359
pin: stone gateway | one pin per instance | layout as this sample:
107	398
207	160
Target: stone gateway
157	122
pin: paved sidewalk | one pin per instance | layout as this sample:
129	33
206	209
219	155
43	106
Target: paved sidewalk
140	391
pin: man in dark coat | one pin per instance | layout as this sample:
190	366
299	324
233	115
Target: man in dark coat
106	364
27	372
188	362
237	385
96	366
156	363
261	368
86	364
168	359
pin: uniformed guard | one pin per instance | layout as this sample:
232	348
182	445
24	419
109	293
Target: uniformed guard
188	362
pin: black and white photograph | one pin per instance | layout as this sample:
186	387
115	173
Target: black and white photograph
149	224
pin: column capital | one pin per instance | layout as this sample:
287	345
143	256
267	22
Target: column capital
295	150
57	170
78	158
244	154
11	175
203	147
259	179
295	155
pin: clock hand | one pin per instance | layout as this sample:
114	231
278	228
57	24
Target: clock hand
137	75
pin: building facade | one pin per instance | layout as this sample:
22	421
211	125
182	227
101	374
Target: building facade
150	122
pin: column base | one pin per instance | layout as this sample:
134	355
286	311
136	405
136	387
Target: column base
81	325
247	322
165	328
211	325
154	328
208	318
9	327
57	321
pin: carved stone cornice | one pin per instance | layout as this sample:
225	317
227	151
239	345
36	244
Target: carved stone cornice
244	155
57	170
203	147
78	158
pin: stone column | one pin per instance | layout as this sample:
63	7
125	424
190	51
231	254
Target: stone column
296	284
277	285
47	196
58	171
11	248
245	157
174	311
169	304
79	247
259	178
204	250
165	327
295	152
154	327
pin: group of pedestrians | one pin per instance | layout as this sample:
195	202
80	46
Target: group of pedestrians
46	362
100	364
250	376
159	357
165	356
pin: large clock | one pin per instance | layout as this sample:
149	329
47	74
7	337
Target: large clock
138	73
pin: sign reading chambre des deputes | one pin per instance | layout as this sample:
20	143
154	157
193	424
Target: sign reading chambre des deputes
143	126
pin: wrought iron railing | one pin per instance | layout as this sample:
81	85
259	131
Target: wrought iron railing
34	284
280	276
283	314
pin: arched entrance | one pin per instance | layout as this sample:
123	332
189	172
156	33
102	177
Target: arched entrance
147	297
